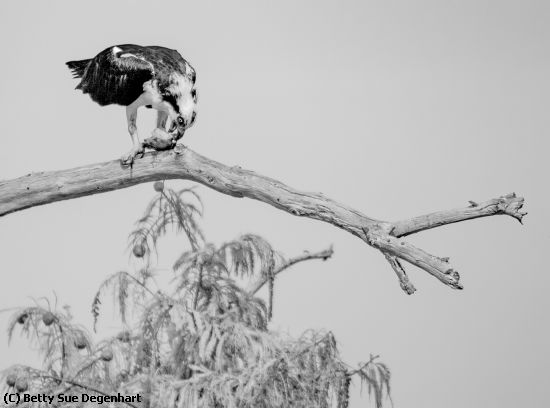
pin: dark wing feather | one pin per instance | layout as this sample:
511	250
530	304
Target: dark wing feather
116	77
78	67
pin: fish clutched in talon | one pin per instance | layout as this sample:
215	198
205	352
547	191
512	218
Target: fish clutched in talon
161	140
134	76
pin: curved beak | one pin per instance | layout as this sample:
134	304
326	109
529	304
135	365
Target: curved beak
176	131
172	127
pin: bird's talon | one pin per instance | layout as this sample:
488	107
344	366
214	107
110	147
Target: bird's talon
128	158
126	161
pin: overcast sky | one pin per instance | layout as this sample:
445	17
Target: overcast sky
396	108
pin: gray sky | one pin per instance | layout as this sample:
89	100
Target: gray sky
397	108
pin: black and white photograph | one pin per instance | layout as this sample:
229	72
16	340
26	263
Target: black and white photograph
272	204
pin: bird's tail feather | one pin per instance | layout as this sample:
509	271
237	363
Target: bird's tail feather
78	67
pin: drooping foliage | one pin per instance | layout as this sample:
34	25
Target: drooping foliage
202	342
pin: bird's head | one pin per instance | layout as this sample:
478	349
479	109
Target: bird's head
182	96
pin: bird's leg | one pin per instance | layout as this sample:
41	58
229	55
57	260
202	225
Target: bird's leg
131	116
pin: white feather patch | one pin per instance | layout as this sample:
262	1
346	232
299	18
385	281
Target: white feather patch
181	87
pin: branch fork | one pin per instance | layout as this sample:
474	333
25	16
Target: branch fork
386	238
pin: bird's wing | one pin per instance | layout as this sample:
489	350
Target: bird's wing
117	74
129	58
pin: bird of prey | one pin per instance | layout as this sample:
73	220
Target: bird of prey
134	76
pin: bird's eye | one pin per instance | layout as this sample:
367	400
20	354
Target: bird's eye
180	120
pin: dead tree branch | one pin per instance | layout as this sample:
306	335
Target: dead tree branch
507	205
182	163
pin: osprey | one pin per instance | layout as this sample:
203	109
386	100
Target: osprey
134	76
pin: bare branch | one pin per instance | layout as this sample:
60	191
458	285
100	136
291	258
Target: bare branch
404	281
306	256
182	163
437	267
179	163
508	204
